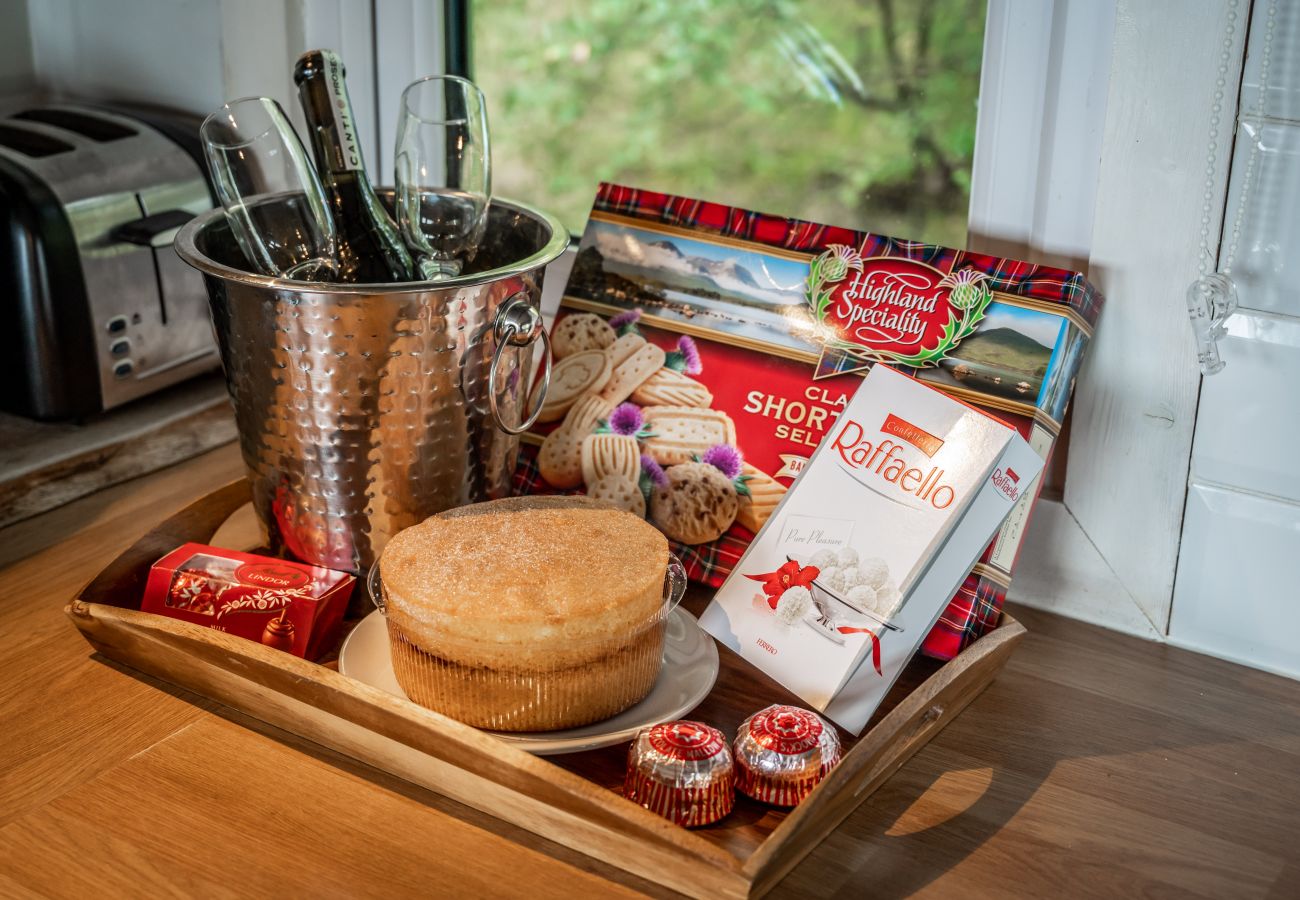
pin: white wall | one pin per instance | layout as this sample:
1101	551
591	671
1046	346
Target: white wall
15	48
1128	164
195	54
1160	196
136	50
409	44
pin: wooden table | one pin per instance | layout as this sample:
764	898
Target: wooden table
1096	765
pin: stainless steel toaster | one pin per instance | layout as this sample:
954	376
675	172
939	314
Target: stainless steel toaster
96	308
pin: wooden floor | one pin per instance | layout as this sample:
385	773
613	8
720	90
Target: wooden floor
1097	765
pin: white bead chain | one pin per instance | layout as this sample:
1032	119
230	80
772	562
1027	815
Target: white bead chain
1216	118
1248	177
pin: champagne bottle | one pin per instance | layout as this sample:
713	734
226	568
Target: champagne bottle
369	246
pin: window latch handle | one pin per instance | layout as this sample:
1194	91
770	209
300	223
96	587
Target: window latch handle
1211	299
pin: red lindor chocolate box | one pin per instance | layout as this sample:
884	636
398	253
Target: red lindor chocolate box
286	605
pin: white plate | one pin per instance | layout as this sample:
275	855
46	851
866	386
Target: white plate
689	670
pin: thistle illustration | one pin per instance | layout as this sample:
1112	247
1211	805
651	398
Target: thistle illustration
686	358
625	322
728	460
652	476
839	259
627	420
826	270
967	286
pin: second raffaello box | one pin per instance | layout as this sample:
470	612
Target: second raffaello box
841	585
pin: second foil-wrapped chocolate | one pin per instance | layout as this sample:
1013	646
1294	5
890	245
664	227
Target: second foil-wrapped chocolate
683	771
782	753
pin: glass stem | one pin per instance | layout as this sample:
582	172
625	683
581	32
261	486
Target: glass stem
433	269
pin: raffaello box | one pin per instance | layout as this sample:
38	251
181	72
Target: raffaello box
854	566
703	352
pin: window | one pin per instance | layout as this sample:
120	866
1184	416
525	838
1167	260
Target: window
841	111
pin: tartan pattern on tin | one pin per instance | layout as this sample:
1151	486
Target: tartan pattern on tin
1010	276
974	610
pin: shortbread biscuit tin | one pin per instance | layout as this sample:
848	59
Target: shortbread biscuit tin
772	322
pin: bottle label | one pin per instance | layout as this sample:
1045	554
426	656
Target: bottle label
348	147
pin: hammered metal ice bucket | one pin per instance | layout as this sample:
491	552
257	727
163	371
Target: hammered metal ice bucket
363	409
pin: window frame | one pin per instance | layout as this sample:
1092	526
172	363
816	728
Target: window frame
457	41
1070	121
1155	159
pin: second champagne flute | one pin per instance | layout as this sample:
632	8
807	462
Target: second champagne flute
443	172
273	200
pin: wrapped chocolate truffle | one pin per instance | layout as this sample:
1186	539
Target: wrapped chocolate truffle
782	752
683	771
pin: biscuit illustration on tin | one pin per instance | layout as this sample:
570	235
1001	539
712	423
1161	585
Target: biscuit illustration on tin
580	331
765	492
668	387
560	459
684	432
698	506
573	376
610	454
620	492
623	347
631	372
585	414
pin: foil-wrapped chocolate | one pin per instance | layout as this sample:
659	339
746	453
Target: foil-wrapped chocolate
683	771
782	753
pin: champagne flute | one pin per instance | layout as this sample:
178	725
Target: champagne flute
443	173
261	170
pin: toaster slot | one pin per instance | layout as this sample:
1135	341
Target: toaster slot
31	143
99	130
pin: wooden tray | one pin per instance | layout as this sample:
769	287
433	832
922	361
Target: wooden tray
572	800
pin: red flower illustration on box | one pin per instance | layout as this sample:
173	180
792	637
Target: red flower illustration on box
793	575
789	575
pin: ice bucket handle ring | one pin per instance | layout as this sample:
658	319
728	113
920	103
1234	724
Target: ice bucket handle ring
518	324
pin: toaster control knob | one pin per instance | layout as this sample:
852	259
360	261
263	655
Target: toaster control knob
120	347
124	368
117	325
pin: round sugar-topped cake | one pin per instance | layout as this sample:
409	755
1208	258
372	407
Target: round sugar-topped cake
527	614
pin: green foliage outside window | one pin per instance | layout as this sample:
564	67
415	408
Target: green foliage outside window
851	113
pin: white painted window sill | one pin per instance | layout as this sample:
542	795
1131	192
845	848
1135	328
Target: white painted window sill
1061	571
